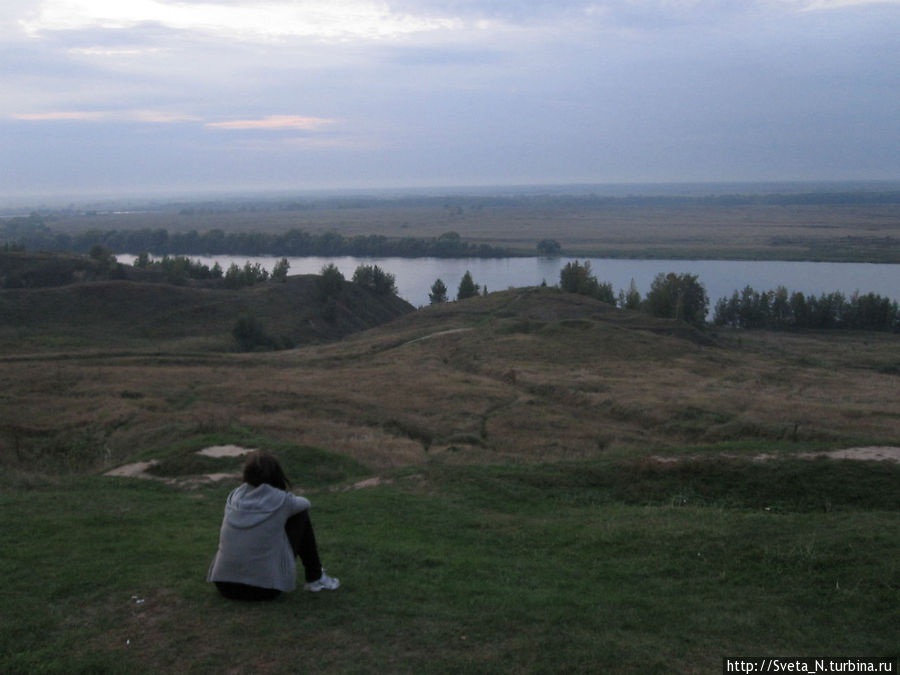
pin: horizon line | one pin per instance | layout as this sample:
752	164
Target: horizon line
448	189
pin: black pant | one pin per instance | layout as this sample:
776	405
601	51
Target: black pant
303	542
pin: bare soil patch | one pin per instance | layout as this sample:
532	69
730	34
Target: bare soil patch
135	470
873	453
225	451
139	470
870	454
374	481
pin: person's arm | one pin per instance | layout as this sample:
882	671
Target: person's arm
298	504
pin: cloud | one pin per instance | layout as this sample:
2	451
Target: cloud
150	116
385	20
441	56
273	20
160	117
811	5
60	116
114	52
274	122
181	92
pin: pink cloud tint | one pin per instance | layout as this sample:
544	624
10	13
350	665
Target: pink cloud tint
275	122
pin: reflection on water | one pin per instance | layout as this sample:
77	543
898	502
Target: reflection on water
720	277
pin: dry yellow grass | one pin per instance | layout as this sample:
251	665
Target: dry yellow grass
534	374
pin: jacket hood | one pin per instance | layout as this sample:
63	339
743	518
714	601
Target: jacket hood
248	506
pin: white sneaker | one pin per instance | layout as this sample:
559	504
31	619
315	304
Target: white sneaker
324	581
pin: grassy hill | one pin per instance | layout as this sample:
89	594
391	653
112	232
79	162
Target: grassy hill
60	309
28	269
553	486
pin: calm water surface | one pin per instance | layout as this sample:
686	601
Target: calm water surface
720	277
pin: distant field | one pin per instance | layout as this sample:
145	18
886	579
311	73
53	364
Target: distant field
836	232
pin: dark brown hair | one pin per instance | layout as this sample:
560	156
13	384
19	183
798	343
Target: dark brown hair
262	467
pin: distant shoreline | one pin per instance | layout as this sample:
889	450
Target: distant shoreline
12	205
843	223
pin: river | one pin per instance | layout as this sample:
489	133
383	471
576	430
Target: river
414	276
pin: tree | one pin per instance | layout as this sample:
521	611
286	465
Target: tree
605	293
438	292
233	276
577	278
280	271
781	307
102	255
467	287
631	299
251	273
678	296
800	309
385	282
330	282
549	248
727	310
375	279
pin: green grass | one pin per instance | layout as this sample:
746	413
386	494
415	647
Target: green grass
561	567
317	467
524	523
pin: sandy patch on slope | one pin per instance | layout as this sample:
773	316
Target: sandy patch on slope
884	453
225	451
139	470
874	453
136	470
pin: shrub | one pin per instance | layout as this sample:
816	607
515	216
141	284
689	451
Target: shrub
249	335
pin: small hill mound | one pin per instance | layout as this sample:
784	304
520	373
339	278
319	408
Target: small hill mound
547	311
121	313
37	269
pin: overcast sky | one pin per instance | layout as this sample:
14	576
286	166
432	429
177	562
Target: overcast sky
105	96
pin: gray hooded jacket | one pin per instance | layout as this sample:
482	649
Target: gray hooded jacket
253	546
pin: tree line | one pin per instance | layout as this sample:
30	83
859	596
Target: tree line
33	233
779	309
683	297
671	296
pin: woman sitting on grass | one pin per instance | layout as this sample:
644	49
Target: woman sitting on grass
264	530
